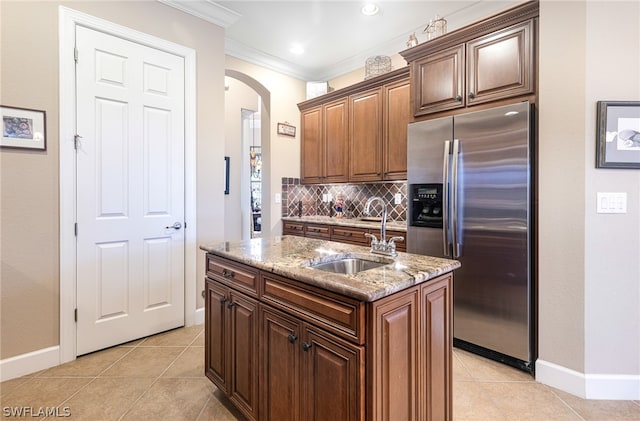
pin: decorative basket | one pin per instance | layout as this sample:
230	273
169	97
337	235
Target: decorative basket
376	66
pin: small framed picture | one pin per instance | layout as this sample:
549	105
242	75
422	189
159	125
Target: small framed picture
618	137
23	128
286	129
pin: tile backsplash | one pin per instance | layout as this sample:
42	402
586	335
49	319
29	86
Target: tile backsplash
309	197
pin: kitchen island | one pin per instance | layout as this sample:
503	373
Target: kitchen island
285	340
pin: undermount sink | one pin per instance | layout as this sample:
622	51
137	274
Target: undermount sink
349	265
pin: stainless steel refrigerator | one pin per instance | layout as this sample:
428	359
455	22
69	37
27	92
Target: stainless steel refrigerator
470	198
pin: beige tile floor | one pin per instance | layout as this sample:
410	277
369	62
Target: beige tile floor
161	378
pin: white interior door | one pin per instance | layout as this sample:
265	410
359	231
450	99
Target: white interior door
130	190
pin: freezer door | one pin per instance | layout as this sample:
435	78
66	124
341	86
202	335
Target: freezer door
492	288
426	148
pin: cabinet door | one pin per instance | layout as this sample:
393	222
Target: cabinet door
394	357
438	81
336	142
243	341
280	366
435	332
397	115
216	328
311	170
332	378
500	65
365	130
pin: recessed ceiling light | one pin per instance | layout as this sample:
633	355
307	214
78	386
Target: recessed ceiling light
296	49
370	9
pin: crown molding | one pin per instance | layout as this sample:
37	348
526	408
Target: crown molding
206	10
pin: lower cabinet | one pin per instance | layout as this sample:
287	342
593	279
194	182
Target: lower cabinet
231	345
288	360
308	374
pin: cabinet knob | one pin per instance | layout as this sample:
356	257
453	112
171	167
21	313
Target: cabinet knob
230	304
459	98
223	300
306	346
292	338
472	95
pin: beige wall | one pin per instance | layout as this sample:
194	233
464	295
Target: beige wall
29	209
358	75
589	263
281	154
238	96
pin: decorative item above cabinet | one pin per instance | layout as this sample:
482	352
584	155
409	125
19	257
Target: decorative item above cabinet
490	60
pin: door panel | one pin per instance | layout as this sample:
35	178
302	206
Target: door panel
130	190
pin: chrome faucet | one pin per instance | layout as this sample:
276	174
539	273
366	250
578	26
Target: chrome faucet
381	246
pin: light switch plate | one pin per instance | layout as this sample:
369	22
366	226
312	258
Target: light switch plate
278	198
615	202
398	199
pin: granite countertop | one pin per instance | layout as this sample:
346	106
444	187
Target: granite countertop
291	256
347	222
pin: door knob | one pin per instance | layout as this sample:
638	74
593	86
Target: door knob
175	226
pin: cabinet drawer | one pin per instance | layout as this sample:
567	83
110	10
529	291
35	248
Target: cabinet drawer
317	231
293	228
233	274
349	235
341	315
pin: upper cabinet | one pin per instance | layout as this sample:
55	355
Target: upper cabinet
359	133
488	61
324	148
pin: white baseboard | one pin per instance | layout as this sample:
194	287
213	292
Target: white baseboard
589	386
28	363
199	318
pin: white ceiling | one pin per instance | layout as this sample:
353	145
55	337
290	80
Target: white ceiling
336	36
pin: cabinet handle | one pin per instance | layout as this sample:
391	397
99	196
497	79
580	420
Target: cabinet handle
306	346
228	273
459	98
292	338
472	95
231	304
223	300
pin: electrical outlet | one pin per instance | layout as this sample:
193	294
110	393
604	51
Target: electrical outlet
398	199
324	198
278	198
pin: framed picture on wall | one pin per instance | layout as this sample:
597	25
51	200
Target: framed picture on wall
618	137
286	129
23	128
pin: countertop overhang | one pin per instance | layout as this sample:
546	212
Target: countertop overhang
292	256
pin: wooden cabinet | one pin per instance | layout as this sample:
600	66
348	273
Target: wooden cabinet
299	352
500	65
487	61
411	337
396	117
324	146
341	233
365	136
311	146
231	357
308	374
358	133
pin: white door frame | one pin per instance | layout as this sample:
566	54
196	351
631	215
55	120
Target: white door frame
67	21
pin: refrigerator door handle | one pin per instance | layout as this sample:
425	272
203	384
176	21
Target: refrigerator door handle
454	199
446	243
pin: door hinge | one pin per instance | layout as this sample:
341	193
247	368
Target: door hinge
75	54
75	314
76	138
185	224
75	229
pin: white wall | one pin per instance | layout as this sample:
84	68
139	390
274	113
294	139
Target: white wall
589	334
281	154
